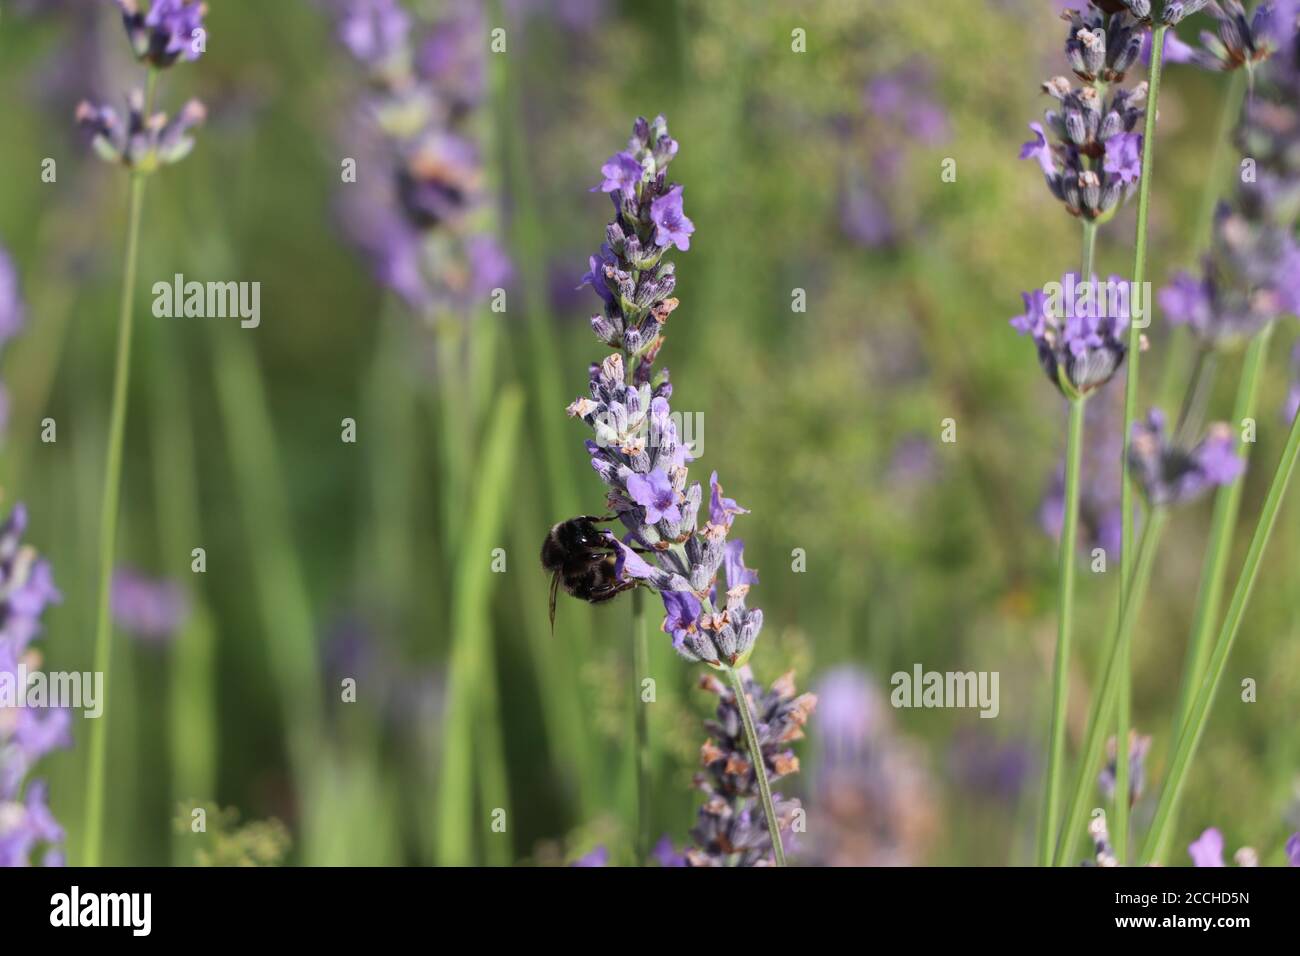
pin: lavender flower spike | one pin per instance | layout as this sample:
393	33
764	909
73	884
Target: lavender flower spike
1170	475
1079	331
729	828
170	31
26	733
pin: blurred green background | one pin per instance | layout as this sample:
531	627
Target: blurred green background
327	559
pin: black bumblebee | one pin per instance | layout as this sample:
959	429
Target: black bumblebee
582	558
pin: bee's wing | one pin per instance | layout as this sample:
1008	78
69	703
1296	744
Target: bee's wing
555	591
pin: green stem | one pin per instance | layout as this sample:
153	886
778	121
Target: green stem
1227	505
193	731
469	700
93	851
1107	695
640	671
1161	832
1049	818
760	764
1124	687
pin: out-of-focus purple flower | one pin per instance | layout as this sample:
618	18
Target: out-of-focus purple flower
667	854
903	97
672	227
136	142
1138	745
1243	40
171	30
872	792
1100	511
1078	329
439	180
490	265
451	60
1207	849
622	174
152	609
995	769
1176	51
374	31
12	312
597	857
1171	475
1293	850
26	733
865	218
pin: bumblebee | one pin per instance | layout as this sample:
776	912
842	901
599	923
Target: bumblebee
581	559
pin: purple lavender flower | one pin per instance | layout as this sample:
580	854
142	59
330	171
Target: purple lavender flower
375	31
1170	475
899	113
171	30
654	492
622	174
422	228
152	609
1091	167
1124	157
1207	850
672	228
1293	850
636	450
1078	329
729	828
26	733
140	143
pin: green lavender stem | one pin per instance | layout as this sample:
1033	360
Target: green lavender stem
1157	843
1107	695
192	729
1130	412
1061	665
471	653
1227	505
93	850
640	671
760	765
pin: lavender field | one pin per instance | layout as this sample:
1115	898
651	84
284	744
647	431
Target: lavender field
352	515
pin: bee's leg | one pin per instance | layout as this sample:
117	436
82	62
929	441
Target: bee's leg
608	592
